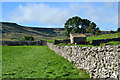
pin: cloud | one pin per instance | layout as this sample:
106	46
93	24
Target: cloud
105	15
47	15
41	13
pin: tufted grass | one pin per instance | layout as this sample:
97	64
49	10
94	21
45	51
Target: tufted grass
37	62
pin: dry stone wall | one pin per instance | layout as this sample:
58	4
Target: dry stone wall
100	62
22	43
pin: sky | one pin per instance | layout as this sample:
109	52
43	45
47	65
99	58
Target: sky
60	0
55	14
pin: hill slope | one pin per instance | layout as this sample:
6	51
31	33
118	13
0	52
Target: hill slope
15	32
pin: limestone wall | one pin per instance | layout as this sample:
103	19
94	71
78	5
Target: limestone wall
100	62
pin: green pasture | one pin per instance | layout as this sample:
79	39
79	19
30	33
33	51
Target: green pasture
103	36
51	41
37	62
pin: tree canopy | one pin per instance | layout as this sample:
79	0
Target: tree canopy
118	29
78	25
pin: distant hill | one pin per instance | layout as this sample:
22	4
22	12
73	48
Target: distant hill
13	31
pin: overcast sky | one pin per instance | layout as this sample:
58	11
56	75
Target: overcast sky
55	14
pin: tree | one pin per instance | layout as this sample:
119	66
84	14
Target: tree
72	25
85	23
91	28
28	38
78	25
118	30
111	31
96	31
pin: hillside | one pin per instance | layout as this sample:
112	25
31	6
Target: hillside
13	31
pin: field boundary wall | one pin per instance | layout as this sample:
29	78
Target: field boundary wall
100	62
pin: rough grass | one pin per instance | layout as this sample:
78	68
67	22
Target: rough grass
114	43
37	62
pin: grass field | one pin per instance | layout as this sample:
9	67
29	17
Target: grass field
36	62
104	36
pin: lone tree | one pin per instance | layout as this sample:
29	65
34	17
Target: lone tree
72	25
78	25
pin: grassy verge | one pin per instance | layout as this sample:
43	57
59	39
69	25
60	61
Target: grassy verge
37	62
76	45
112	43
